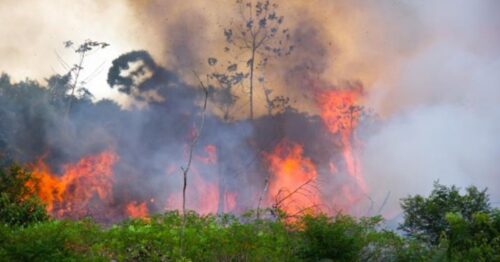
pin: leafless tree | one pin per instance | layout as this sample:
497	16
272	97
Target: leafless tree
254	38
83	50
192	145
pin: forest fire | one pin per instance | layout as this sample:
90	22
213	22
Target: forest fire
71	193
293	178
340	111
89	186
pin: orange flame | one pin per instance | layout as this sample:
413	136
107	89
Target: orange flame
292	177
203	190
202	195
72	192
137	210
340	113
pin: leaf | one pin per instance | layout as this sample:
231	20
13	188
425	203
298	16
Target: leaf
262	22
250	24
68	44
232	68
212	61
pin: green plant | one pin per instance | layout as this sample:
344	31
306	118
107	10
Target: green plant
19	205
425	217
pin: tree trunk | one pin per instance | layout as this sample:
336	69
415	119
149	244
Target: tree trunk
75	83
251	77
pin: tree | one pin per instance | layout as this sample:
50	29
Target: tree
426	218
83	50
255	38
474	239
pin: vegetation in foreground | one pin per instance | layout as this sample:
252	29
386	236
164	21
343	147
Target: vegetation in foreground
445	226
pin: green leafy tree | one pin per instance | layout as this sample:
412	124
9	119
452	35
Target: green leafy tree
474	239
425	217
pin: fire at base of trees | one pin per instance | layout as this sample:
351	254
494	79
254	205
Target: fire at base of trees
444	226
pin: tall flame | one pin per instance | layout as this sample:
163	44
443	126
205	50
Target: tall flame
292	178
71	193
340	113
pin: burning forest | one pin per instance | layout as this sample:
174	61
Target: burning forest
110	162
299	112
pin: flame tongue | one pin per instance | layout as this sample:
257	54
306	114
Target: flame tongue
71	193
340	113
293	175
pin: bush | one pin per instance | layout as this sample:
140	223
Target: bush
50	241
205	238
477	239
340	238
19	205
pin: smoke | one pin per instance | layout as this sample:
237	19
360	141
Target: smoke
440	106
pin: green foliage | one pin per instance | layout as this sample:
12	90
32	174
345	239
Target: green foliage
340	238
425	218
387	245
50	241
476	239
18	202
452	226
312	237
206	238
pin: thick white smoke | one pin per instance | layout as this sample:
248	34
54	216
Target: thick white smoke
441	106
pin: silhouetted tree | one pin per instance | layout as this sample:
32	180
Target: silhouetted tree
83	50
254	38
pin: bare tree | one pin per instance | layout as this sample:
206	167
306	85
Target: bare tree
254	38
83	50
192	145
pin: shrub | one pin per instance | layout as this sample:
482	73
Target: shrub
19	205
51	241
340	238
